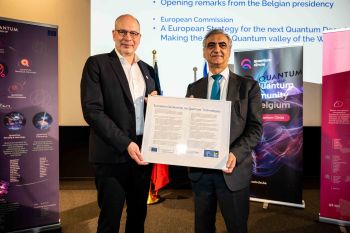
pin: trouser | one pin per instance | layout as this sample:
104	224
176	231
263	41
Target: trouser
119	183
211	189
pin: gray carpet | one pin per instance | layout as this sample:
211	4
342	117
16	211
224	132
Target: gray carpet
79	212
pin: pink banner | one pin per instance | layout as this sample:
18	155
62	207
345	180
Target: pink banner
335	149
336	55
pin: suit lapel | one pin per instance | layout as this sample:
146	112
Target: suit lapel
233	87
119	73
146	75
202	88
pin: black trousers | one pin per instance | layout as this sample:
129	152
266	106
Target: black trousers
117	184
211	189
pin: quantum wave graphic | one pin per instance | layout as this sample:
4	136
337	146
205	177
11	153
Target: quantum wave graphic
281	144
4	188
280	75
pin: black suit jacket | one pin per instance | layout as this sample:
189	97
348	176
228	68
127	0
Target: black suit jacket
246	126
108	107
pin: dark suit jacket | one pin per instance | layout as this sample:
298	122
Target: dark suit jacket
246	126
108	107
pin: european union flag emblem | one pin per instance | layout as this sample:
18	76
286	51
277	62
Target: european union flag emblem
211	153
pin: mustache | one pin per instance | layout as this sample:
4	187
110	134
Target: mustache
126	43
215	54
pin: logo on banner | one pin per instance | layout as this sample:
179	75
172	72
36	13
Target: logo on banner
25	62
16	90
24	67
262	62
338	104
6	29
246	64
3	70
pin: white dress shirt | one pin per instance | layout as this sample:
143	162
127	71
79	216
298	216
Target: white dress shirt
137	87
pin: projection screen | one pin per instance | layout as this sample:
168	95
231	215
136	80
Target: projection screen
175	29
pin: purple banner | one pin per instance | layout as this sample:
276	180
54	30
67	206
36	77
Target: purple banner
29	179
277	160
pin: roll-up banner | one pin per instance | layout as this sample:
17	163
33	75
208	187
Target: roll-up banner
29	179
277	160
335	130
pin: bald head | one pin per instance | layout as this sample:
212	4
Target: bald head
126	16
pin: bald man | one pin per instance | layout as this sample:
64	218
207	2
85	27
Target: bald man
113	90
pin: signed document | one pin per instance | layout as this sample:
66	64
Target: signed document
187	132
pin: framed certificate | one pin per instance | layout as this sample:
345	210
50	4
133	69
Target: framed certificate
187	132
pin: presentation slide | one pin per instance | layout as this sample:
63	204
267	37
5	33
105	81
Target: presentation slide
175	29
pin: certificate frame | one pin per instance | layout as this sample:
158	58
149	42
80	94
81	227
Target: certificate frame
187	132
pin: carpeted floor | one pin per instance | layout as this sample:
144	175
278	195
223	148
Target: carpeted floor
79	212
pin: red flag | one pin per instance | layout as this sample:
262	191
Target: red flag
160	176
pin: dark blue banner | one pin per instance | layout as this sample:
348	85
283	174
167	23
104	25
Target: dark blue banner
277	160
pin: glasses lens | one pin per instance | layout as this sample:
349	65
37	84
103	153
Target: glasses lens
124	33
134	34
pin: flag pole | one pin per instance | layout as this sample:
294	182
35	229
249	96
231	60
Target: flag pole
153	196
154	52
195	73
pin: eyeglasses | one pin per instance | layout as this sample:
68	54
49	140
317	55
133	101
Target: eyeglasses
124	33
212	45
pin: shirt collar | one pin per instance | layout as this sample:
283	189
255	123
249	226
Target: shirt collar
123	60
225	73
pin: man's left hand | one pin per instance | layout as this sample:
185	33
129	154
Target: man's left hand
231	163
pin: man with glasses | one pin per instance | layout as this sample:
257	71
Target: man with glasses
114	87
230	187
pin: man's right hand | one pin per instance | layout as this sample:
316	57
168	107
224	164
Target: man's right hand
135	154
153	93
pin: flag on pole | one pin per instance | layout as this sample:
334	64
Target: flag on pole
156	78
160	172
205	69
160	176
